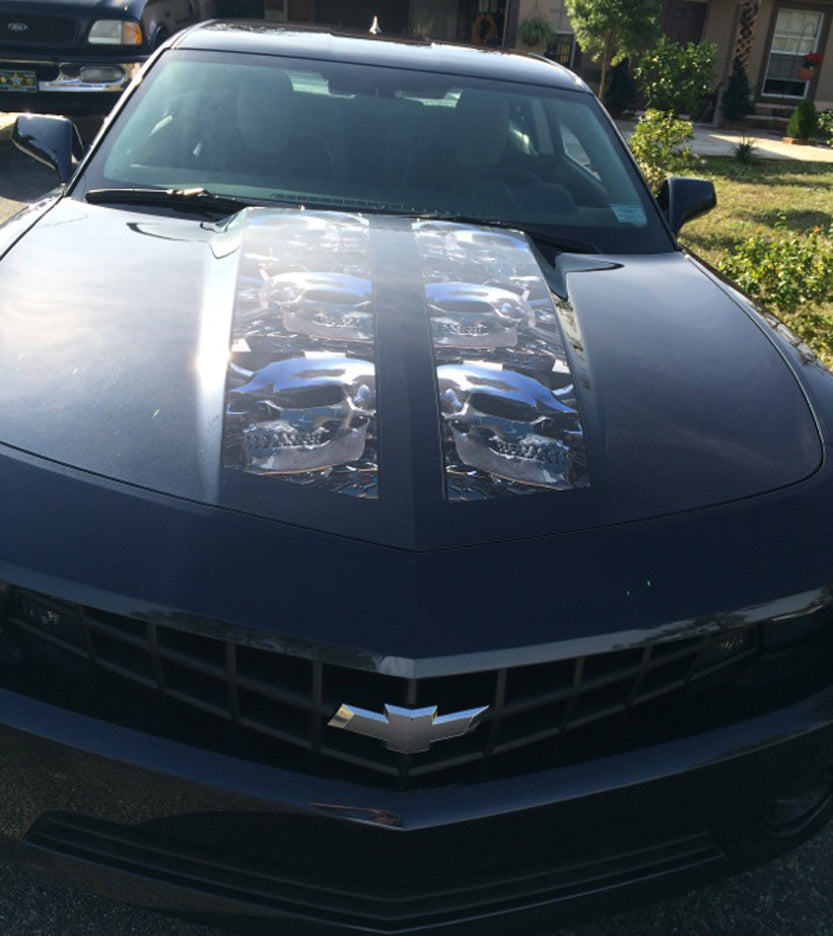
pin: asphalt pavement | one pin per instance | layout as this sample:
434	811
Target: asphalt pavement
789	897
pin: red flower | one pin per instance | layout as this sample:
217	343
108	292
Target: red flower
811	59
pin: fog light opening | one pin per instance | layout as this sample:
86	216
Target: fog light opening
10	654
102	74
792	810
725	647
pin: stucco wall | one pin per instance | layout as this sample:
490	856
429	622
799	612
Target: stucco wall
552	10
721	23
757	58
824	90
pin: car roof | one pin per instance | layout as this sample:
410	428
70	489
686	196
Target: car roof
395	52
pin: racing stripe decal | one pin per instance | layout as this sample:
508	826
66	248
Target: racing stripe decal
300	401
301	388
509	409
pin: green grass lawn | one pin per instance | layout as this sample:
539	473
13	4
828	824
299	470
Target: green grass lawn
759	199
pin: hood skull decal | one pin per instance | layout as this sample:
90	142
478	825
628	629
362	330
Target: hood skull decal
301	385
306	413
331	306
509	425
466	315
511	422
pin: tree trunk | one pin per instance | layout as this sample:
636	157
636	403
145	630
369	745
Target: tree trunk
605	61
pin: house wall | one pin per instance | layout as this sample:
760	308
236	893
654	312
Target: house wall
763	31
721	22
824	91
553	11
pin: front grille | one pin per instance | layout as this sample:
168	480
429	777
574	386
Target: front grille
331	895
273	707
31	29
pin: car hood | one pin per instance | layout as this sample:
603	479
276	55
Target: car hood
414	384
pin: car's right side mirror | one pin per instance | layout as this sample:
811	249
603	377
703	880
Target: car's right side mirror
53	141
682	200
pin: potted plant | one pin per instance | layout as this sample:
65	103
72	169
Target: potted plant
536	31
809	64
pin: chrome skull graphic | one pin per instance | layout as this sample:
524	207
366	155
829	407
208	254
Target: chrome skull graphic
332	306
285	239
510	425
305	413
465	315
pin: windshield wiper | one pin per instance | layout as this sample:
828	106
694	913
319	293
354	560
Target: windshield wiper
193	199
540	233
561	242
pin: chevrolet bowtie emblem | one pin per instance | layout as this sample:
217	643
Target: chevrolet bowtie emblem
407	731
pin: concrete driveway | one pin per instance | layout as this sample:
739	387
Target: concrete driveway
712	141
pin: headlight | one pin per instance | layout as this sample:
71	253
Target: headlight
115	32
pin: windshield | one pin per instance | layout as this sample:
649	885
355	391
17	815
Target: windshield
367	138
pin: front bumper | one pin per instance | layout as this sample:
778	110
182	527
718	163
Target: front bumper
67	85
161	824
170	819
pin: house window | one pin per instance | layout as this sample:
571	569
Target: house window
796	33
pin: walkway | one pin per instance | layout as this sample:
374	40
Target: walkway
709	141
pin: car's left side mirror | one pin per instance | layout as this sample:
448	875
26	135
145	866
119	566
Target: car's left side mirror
53	141
682	199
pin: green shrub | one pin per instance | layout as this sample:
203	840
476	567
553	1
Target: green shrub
804	121
676	78
736	104
826	126
744	151
786	273
659	143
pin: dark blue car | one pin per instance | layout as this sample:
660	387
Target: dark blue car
399	532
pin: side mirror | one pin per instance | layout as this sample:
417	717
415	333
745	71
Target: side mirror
682	200
53	141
